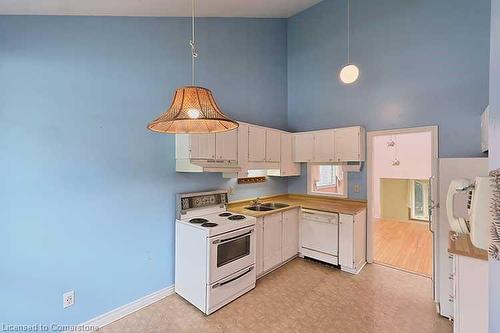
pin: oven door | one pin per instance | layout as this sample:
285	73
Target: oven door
230	253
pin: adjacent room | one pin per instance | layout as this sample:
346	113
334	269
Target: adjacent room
402	174
250	166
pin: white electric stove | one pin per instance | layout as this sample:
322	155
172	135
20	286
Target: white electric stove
215	251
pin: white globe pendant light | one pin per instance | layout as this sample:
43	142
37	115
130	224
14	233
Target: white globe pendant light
349	73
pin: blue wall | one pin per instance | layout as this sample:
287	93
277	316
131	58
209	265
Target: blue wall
494	153
87	193
421	62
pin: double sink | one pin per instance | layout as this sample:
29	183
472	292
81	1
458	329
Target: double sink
265	207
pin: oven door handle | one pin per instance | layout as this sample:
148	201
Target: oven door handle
217	285
222	241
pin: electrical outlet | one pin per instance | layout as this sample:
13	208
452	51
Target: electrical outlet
357	188
68	299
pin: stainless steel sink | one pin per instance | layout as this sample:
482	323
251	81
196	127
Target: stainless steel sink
260	208
275	205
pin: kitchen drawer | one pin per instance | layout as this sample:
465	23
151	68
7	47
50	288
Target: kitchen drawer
230	288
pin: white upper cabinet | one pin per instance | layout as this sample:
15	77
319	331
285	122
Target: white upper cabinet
220	147
256	144
226	145
334	145
255	147
202	146
349	144
287	166
263	144
303	147
324	146
273	145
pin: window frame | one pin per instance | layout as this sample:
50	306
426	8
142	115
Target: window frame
333	195
425	193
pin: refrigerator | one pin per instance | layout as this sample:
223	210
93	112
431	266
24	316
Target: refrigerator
449	168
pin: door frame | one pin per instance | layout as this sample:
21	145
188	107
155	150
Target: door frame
433	185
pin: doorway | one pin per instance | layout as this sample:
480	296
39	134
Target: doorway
402	237
402	182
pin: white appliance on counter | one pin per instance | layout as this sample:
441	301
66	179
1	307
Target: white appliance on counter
214	251
454	211
476	221
320	236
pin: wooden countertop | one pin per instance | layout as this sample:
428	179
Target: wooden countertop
461	245
331	205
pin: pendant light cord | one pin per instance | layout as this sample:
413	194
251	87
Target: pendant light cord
348	31
192	43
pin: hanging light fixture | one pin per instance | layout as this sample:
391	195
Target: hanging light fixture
349	73
193	109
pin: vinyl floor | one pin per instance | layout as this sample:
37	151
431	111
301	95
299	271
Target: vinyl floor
306	296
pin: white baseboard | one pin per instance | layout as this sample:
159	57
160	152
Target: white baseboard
125	310
354	270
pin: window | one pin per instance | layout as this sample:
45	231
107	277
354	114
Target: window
419	199
326	179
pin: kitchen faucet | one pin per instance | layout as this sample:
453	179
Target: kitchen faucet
256	202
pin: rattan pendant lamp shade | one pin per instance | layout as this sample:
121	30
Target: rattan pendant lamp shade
193	108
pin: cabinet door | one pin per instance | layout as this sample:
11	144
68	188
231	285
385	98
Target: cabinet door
259	242
288	167
471	295
347	144
303	147
226	145
346	240
273	145
324	146
256	144
290	234
202	146
272	241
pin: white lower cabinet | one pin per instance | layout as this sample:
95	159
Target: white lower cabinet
259	244
277	239
290	234
272	240
469	294
352	242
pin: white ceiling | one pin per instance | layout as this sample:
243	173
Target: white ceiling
209	8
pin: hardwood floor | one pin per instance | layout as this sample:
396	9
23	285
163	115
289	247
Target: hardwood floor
305	296
405	245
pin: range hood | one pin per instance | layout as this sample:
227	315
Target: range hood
190	165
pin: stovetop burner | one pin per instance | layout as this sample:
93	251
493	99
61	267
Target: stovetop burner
236	217
209	225
225	214
198	220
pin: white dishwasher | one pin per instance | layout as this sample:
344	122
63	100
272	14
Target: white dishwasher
320	236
